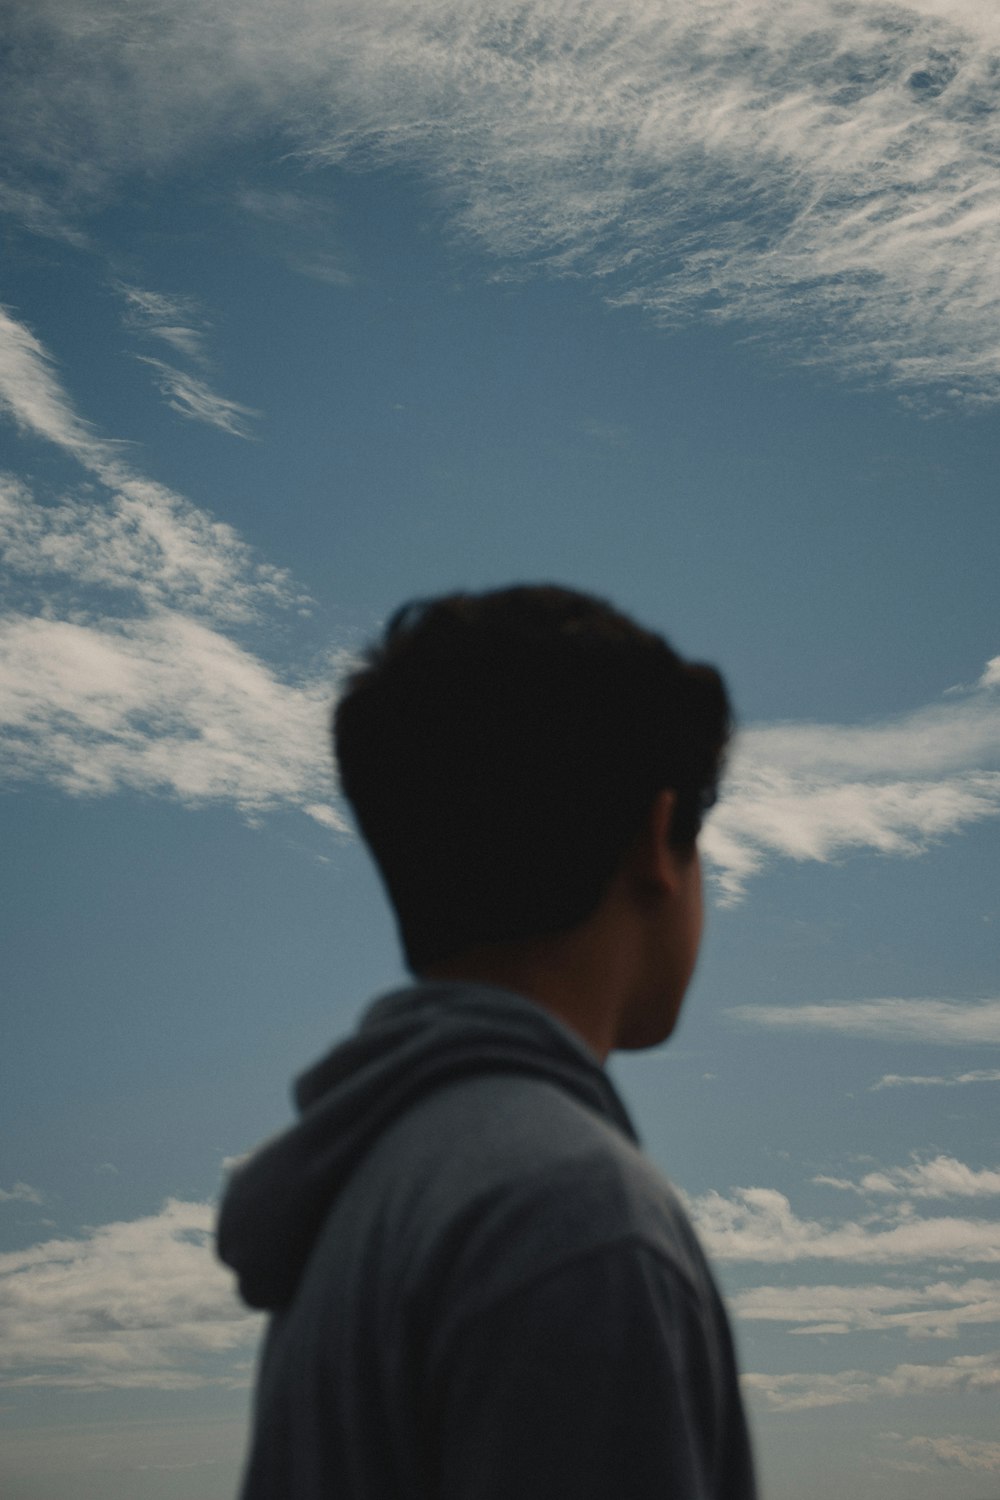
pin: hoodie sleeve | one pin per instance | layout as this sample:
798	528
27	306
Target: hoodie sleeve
607	1379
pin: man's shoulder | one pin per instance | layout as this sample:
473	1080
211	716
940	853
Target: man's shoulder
502	1178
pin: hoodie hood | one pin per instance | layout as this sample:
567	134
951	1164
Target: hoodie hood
408	1043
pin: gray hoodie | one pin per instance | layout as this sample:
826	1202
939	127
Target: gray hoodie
479	1286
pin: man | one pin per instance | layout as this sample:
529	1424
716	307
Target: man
480	1288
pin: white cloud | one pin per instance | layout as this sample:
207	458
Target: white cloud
799	791
152	308
160	704
953	1080
820	791
140	1303
944	1177
136	538
955	735
30	393
939	1022
965	1374
173	319
21	1192
825	168
941	1309
143	689
147	538
759	1224
189	341
974	1454
193	398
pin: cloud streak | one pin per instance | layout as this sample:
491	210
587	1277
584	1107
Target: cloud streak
954	1080
163	704
170	318
193	398
134	1304
148	538
174	321
822	791
139	539
30	394
759	1224
943	1177
974	1454
117	664
949	1023
965	1374
827	170
940	1310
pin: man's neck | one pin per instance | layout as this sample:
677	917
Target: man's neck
581	977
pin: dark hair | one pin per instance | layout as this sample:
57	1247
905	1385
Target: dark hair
501	751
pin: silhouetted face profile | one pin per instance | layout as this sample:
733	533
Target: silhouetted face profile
671	957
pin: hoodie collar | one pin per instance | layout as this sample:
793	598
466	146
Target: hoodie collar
409	1042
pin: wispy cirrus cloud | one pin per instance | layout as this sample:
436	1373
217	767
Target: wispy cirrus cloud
137	537
827	170
937	1080
134	1304
193	398
938	1022
145	538
965	1374
174	319
117	663
823	791
163	704
32	396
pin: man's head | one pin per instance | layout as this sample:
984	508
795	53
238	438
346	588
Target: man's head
503	750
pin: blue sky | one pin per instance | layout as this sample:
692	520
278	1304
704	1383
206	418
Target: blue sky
307	310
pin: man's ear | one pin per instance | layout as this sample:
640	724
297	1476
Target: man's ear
658	860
